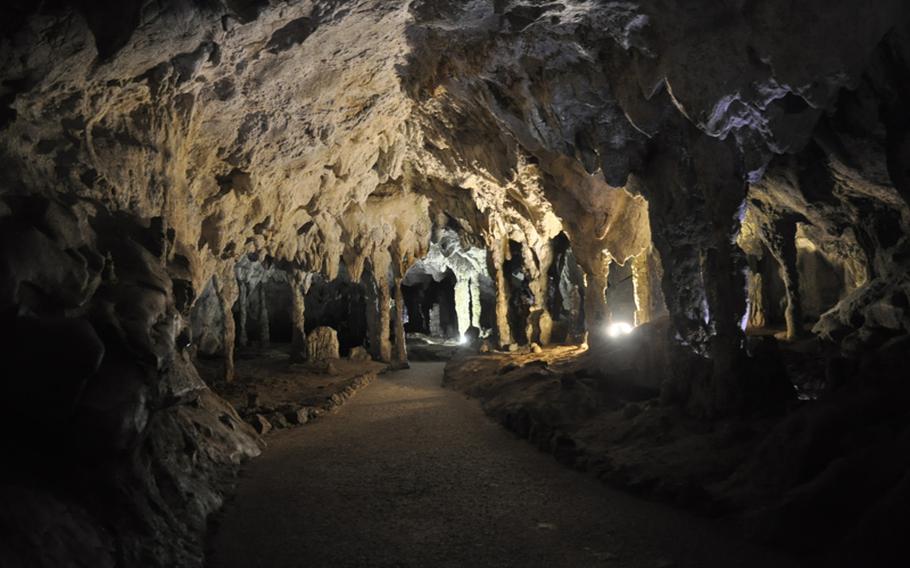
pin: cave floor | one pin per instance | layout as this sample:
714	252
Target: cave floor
267	381
411	474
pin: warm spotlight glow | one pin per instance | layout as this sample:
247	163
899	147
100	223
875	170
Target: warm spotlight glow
619	328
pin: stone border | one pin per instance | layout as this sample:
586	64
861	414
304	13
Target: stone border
290	415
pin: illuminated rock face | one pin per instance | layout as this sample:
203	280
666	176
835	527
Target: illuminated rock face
144	156
469	268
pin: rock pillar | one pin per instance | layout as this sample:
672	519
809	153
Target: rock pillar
540	323
496	260
379	299
780	238
401	348
463	302
227	291
474	289
695	193
300	284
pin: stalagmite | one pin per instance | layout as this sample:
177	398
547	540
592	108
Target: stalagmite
227	290
463	303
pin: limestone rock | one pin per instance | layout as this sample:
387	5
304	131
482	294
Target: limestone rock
322	345
261	424
153	174
359	354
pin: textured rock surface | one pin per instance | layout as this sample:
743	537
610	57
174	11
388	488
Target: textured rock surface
322	345
148	154
133	451
319	132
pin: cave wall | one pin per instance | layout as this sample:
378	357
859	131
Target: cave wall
142	163
134	451
514	123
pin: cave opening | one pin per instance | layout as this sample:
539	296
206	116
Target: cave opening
621	293
339	304
519	293
565	295
431	304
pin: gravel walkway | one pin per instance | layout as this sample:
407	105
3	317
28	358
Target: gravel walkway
410	474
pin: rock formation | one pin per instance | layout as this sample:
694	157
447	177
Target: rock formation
163	166
321	345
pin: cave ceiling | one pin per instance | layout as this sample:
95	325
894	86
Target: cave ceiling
316	133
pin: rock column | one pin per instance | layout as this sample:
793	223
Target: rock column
380	299
401	348
496	260
300	285
695	190
463	302
385	301
537	264
780	238
227	290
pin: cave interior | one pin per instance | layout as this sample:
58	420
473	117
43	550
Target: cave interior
698	211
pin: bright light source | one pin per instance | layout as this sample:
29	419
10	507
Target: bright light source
462	339
619	328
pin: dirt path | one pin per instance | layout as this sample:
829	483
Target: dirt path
410	474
